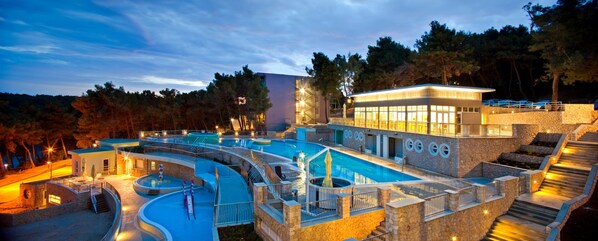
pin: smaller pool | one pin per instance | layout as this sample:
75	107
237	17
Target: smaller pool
168	214
479	180
151	184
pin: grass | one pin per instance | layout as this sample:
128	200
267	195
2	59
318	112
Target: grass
238	233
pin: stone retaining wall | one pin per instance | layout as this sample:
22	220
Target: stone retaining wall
522	158
494	170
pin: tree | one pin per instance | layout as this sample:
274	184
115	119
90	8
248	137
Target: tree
444	53
567	38
383	68
326	77
350	67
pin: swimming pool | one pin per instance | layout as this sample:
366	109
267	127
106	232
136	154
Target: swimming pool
343	165
168	214
153	181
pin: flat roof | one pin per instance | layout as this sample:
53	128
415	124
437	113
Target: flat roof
425	86
119	142
91	150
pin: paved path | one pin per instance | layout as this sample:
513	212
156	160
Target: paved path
131	202
11	192
13	176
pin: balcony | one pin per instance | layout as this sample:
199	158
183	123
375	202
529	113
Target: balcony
436	129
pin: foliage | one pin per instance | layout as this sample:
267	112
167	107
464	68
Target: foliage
386	63
326	76
567	38
444	53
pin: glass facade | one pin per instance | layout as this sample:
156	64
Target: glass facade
412	118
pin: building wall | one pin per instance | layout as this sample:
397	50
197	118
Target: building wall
91	159
282	96
465	155
357	226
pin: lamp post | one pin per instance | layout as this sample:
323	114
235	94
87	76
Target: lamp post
5	167
50	150
50	163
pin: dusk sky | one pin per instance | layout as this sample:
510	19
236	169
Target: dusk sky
62	47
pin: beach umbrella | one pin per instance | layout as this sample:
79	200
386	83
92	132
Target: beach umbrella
328	179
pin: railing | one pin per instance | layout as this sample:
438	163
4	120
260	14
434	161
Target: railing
382	236
112	233
509	106
466	196
436	204
491	190
94	202
229	214
364	201
319	209
439	129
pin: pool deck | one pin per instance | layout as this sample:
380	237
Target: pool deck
131	202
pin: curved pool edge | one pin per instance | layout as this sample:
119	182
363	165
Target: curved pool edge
150	226
145	189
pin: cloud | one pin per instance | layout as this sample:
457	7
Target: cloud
36	49
172	81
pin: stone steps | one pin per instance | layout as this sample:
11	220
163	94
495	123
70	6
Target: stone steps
378	233
589	137
523	221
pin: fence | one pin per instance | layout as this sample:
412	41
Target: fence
364	201
491	190
467	196
229	214
436	204
318	209
382	236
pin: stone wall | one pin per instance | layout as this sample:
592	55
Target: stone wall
552	121
357	226
494	170
406	220
31	194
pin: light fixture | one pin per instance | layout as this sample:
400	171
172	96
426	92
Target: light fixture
302	90
236	133
252	133
454	238
486	212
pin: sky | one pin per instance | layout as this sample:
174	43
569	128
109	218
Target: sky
66	47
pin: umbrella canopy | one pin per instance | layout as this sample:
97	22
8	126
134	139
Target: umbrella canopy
328	179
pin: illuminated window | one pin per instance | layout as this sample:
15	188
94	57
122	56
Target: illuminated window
153	166
53	199
383	117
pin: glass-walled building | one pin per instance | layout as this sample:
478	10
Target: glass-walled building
426	109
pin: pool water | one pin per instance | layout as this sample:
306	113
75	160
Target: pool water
345	166
153	181
169	212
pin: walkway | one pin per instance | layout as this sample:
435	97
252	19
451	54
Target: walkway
13	176
131	202
11	191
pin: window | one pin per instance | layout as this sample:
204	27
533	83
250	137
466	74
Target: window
384	117
360	116
139	164
419	146
53	199
433	148
409	145
106	165
153	166
445	150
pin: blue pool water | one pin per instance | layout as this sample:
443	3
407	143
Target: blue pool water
170	212
345	166
153	181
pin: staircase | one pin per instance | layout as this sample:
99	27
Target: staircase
379	233
589	137
524	221
101	204
153	192
568	176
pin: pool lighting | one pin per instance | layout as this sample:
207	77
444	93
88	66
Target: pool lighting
164	133
252	133
95	145
236	133
216	127
184	132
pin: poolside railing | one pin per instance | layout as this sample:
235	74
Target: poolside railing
318	209
436	204
467	196
230	214
364	201
491	190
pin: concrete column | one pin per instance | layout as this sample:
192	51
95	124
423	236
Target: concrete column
259	194
286	189
292	219
405	220
533	180
385	146
378	145
343	205
453	200
383	196
480	192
